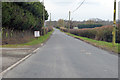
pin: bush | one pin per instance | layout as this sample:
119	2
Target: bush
81	26
46	29
23	15
50	29
10	36
118	33
103	33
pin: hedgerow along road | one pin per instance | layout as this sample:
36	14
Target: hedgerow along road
65	57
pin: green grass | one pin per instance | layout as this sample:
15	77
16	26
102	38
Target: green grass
36	41
101	44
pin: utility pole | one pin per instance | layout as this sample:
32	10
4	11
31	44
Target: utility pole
114	25
63	23
50	19
69	21
43	18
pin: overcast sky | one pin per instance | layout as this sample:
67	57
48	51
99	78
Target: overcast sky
102	9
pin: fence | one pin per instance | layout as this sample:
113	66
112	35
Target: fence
10	36
15	36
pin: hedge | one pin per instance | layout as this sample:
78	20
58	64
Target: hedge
103	33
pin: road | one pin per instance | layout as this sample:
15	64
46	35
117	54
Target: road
13	55
66	57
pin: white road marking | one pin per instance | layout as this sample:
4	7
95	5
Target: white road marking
42	44
88	53
36	50
11	67
105	70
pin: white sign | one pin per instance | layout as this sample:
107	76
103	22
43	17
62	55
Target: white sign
37	33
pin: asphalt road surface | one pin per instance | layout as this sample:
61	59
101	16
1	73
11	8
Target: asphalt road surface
66	57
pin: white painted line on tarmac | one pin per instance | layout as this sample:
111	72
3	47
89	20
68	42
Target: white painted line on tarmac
11	67
17	63
42	44
36	50
88	53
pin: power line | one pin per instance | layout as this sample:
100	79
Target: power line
78	6
75	9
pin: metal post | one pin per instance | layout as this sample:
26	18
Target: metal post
69	21
50	19
43	18
114	25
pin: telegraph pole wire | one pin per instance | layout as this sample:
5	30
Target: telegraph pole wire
78	6
74	11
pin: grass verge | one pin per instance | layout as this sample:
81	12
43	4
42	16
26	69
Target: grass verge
101	44
36	41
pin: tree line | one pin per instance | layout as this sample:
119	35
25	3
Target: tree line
23	15
81	26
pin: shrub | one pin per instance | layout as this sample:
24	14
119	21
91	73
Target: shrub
80	26
23	15
46	29
103	33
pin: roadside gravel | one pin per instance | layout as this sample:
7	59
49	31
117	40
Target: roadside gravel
12	55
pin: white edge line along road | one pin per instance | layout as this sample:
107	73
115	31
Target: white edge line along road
17	63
